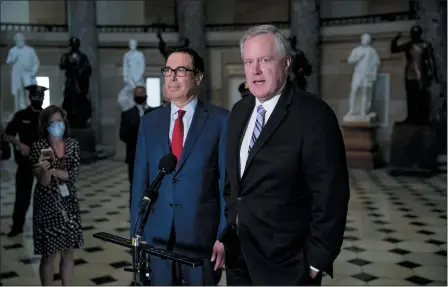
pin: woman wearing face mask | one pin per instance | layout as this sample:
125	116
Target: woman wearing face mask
56	215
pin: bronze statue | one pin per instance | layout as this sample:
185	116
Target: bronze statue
77	73
164	50
244	90
300	67
420	70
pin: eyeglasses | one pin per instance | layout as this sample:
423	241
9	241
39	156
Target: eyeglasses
179	71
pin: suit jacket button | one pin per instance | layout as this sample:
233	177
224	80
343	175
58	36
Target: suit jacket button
175	181
240	198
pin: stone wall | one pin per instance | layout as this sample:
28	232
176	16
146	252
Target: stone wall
141	12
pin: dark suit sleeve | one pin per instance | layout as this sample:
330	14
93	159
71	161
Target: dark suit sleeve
124	128
222	175
141	175
12	128
326	174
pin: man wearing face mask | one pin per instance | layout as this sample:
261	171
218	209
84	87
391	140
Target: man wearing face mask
22	132
130	121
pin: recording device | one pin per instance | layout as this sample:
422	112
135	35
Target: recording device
141	251
47	153
167	165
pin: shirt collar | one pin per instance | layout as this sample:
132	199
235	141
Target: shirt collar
270	104
189	108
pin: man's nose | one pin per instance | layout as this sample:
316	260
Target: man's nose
173	76
256	68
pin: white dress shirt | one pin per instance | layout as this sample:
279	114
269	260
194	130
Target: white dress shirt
269	106
186	119
141	109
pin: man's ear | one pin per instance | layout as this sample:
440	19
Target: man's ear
199	78
287	62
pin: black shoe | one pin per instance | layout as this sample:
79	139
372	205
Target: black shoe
14	232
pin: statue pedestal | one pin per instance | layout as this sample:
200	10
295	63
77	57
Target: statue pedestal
87	144
414	149
360	144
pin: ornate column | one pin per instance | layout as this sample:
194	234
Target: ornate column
81	20
191	21
432	18
305	25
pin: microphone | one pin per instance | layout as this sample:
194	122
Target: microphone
167	165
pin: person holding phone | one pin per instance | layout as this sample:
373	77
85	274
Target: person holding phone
56	215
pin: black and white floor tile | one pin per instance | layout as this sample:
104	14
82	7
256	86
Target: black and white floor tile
396	231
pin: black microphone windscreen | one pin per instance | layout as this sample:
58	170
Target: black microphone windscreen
168	163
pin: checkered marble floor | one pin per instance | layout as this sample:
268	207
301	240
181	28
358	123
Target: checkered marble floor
396	231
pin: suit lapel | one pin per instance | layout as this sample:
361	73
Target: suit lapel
197	124
240	126
274	121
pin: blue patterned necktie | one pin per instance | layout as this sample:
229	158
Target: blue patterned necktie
259	124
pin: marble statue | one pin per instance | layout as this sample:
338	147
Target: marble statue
133	70
300	66
420	71
25	64
77	74
366	61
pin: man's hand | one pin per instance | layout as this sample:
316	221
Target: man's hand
218	255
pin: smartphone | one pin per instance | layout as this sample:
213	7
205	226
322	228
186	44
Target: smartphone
47	153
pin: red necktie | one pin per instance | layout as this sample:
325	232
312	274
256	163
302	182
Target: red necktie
177	141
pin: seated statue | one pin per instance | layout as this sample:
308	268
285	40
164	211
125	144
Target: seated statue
77	73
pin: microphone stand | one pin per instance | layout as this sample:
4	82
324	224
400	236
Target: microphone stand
141	265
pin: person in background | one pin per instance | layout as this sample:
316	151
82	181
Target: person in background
55	158
5	149
288	187
188	215
130	121
22	132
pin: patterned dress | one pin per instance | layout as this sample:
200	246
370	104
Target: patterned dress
57	218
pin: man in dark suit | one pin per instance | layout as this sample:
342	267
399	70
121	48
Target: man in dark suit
287	191
130	121
188	216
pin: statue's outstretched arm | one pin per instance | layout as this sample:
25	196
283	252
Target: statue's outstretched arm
395	48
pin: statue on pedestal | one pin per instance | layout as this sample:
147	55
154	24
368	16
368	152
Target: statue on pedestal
244	90
420	70
366	61
25	65
164	50
133	71
77	73
300	67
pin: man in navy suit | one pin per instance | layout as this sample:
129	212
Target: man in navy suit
188	216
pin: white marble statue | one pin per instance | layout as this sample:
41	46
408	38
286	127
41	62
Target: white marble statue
25	64
133	70
366	61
